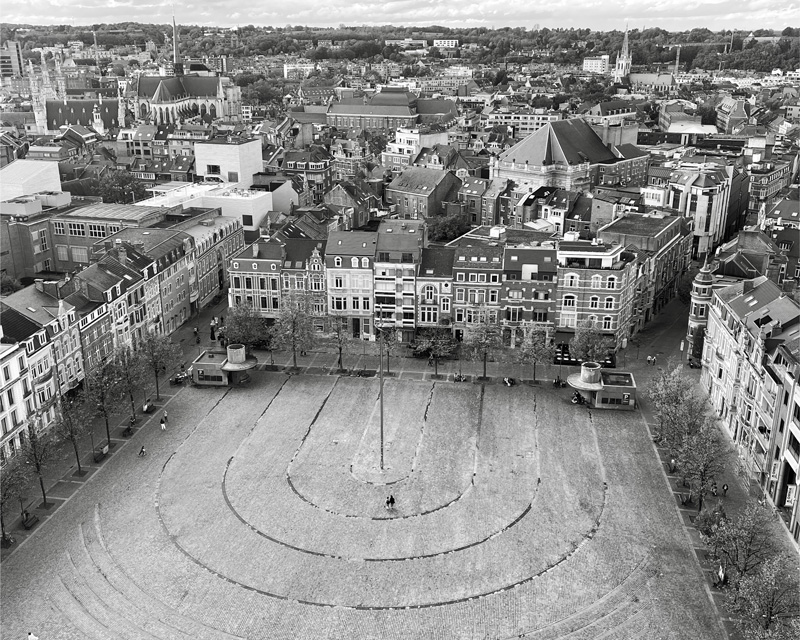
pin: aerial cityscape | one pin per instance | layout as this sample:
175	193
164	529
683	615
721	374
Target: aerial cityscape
415	322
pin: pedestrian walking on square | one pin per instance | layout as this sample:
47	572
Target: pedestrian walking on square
142	452
165	416
724	490
163	424
654	361
714	489
390	503
649	360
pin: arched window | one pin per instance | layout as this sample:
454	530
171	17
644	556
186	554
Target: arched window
594	302
354	263
592	320
608	323
611	283
337	261
212	111
609	303
569	301
365	263
597	282
428	293
571	280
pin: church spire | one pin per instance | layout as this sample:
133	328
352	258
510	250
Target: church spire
176	62
624	60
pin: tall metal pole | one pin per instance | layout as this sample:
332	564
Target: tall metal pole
381	394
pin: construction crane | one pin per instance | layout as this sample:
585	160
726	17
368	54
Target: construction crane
728	46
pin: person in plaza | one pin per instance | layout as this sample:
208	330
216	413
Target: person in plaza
163	424
390	503
165	417
724	489
142	452
714	489
648	360
213	328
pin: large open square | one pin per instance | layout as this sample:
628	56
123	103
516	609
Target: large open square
260	513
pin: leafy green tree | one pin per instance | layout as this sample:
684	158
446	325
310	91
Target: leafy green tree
340	335
589	344
15	477
73	421
244	326
437	343
294	327
448	227
767	601
482	337
390	343
103	391
537	347
131	372
38	451
744	543
9	285
120	187
669	392
702	458
159	354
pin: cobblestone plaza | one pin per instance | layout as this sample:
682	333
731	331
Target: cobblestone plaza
260	513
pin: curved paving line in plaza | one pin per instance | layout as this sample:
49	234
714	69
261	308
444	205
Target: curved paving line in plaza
351	559
576	546
475	450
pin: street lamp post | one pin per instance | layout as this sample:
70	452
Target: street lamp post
381	391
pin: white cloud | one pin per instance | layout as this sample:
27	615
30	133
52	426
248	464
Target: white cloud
673	15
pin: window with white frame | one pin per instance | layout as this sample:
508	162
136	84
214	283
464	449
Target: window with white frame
611	282
337	261
571	280
569	301
609	303
76	229
445	305
597	282
607	323
429	315
58	228
594	302
97	230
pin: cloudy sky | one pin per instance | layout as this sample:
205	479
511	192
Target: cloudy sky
673	15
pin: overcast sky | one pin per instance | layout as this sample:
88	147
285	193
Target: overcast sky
673	15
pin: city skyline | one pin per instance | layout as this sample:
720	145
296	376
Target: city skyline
713	14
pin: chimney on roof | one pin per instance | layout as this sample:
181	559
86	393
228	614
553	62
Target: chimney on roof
255	249
39	284
747	285
122	255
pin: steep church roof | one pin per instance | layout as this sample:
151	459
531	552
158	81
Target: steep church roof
62	112
158	89
568	142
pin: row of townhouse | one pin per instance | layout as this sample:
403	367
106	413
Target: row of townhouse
392	278
751	361
141	280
